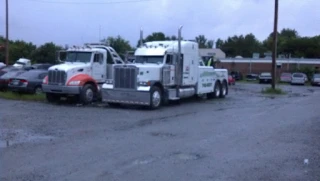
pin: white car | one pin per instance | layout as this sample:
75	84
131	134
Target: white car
298	78
2	65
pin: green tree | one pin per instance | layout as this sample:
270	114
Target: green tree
120	45
46	53
17	49
202	41
243	45
158	36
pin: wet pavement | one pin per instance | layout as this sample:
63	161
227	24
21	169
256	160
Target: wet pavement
246	136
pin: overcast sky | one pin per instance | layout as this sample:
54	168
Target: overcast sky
75	22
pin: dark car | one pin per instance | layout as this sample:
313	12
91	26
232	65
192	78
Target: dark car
265	77
4	79
42	66
6	69
28	82
315	79
252	77
236	75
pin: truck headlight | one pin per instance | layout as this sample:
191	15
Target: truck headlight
143	83
109	81
75	82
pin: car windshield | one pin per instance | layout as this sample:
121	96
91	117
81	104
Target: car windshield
84	57
298	75
149	59
265	74
316	75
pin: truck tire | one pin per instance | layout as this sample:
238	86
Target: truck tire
217	90
156	97
52	97
224	90
87	94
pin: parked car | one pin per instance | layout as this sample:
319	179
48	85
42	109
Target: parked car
265	77
42	66
252	77
2	65
6	69
236	75
28	82
315	79
298	78
4	79
231	80
285	77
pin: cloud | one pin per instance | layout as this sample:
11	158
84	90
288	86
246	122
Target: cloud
39	22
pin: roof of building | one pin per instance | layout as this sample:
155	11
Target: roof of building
212	52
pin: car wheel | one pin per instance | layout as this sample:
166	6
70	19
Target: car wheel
38	90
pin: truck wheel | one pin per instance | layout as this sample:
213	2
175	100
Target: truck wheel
155	97
224	90
217	90
87	94
52	97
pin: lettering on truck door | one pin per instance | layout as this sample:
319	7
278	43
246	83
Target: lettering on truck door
97	67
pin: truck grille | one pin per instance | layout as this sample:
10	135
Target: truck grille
125	77
57	77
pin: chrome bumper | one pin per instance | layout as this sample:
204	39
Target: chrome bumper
61	89
132	97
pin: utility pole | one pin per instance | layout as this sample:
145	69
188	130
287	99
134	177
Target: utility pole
99	33
274	51
7	33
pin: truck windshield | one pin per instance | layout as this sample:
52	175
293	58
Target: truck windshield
149	59
21	63
83	57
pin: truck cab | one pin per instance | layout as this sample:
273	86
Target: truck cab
163	71
83	71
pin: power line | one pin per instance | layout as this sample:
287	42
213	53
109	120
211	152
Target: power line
73	2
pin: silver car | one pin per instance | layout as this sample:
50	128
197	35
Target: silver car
298	78
315	80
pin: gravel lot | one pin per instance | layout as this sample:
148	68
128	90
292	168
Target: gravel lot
246	136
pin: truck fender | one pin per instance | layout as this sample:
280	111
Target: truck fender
83	78
156	83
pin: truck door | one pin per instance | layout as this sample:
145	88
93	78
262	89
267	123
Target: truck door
98	72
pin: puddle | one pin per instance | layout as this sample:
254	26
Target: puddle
162	134
17	136
188	156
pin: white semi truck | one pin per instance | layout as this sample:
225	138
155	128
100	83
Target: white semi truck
82	73
164	71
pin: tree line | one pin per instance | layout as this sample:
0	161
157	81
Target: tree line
290	44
